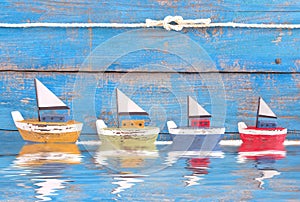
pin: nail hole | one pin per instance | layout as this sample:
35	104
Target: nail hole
278	61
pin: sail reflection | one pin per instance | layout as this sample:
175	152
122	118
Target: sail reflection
266	174
129	159
45	164
264	155
48	187
126	181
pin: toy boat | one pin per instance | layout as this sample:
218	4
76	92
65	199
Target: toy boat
263	130
47	128
197	135
134	130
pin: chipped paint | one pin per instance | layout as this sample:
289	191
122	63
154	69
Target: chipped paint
34	131
244	57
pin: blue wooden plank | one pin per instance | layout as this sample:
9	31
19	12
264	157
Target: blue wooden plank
133	11
66	49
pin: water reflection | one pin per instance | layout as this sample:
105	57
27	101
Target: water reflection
199	168
197	156
207	147
265	156
126	181
261	151
44	165
33	155
48	187
127	159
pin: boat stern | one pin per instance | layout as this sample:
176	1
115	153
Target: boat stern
100	125
17	116
241	126
171	125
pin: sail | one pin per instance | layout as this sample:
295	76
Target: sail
264	110
126	106
46	100
195	110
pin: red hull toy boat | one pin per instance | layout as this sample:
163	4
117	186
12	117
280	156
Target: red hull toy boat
264	131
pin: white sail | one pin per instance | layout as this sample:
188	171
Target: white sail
126	106
195	110
265	110
46	99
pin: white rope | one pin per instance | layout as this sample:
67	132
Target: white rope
176	23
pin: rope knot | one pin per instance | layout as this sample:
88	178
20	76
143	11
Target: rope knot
173	23
176	23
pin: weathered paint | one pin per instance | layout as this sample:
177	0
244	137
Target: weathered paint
258	135
133	124
38	131
250	62
49	49
129	140
58	137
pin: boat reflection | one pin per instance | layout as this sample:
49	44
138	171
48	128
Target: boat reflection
199	168
264	155
208	147
130	160
197	158
261	151
44	165
33	155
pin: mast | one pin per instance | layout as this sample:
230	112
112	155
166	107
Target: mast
37	100
257	114
117	102
188	111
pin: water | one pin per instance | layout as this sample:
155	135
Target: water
91	171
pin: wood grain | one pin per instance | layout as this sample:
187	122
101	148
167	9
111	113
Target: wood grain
156	68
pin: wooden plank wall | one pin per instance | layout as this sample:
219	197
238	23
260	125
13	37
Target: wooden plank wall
226	69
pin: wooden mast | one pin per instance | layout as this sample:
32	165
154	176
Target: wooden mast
117	102
257	114
188	111
37	100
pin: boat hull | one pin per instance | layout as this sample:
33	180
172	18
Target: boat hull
131	140
262	138
49	132
198	142
258	135
185	131
129	135
193	138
